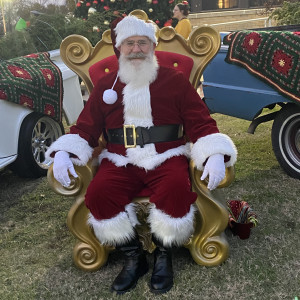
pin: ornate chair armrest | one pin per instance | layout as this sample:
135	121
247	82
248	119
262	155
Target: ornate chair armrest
88	254
78	185
208	245
196	175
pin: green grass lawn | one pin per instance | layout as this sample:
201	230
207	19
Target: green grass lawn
36	246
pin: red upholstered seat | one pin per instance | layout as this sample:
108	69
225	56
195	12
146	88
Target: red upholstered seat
175	61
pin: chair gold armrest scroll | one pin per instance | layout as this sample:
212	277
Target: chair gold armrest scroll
208	245
88	253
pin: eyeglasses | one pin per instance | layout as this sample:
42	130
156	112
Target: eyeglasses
141	43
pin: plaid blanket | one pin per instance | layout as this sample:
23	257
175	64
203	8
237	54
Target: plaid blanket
33	81
273	56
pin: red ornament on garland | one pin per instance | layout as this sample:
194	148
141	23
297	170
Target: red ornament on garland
95	2
157	22
78	4
155	2
106	8
168	23
88	4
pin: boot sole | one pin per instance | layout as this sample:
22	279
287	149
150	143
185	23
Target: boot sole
154	291
132	287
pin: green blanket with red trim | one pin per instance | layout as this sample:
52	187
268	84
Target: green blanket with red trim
273	56
33	81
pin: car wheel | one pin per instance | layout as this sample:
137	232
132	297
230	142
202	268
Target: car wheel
37	133
286	139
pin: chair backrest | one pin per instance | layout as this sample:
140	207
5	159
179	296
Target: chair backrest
201	47
172	60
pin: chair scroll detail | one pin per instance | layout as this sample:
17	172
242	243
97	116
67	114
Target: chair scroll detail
208	245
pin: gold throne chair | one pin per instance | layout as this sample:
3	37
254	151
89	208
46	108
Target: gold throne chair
208	245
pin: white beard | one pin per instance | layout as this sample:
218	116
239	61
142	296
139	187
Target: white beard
138	72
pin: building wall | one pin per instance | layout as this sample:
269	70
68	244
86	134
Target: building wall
232	19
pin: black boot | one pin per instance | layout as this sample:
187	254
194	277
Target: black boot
162	276
135	266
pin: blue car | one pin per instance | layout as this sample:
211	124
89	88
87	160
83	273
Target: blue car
231	90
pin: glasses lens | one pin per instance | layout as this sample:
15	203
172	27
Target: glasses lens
140	43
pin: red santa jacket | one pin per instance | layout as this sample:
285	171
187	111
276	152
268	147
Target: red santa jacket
173	101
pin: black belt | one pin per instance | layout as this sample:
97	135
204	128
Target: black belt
130	136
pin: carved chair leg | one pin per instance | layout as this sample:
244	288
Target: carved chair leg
208	245
88	254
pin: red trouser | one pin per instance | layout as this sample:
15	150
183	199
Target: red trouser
114	187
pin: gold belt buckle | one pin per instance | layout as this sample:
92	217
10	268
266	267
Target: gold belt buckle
125	127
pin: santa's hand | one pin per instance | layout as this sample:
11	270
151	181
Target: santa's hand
61	166
215	169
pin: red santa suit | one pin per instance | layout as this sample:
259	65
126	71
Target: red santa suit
169	99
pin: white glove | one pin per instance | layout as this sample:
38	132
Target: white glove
215	169
61	165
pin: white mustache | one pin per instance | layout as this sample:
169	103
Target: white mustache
136	55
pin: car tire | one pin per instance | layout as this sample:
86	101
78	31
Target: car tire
37	133
286	139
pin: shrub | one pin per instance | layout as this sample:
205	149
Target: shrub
15	44
288	14
47	31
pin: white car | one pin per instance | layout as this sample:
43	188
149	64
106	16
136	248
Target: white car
26	135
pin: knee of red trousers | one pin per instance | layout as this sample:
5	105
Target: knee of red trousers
176	205
174	196
102	202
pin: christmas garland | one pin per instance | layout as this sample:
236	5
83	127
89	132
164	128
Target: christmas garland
273	56
33	81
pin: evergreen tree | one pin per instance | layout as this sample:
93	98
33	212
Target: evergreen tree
160	11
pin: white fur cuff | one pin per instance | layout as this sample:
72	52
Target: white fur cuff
74	144
213	144
115	231
171	231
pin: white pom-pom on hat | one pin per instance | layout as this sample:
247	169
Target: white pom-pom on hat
110	96
131	26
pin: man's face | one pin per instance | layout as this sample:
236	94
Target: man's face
136	48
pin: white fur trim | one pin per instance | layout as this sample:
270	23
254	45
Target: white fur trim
131	212
213	144
171	231
137	157
117	159
115	231
74	144
137	105
131	26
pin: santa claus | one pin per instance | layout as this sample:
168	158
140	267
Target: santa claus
143	109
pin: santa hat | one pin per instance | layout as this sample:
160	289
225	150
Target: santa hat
113	25
131	26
